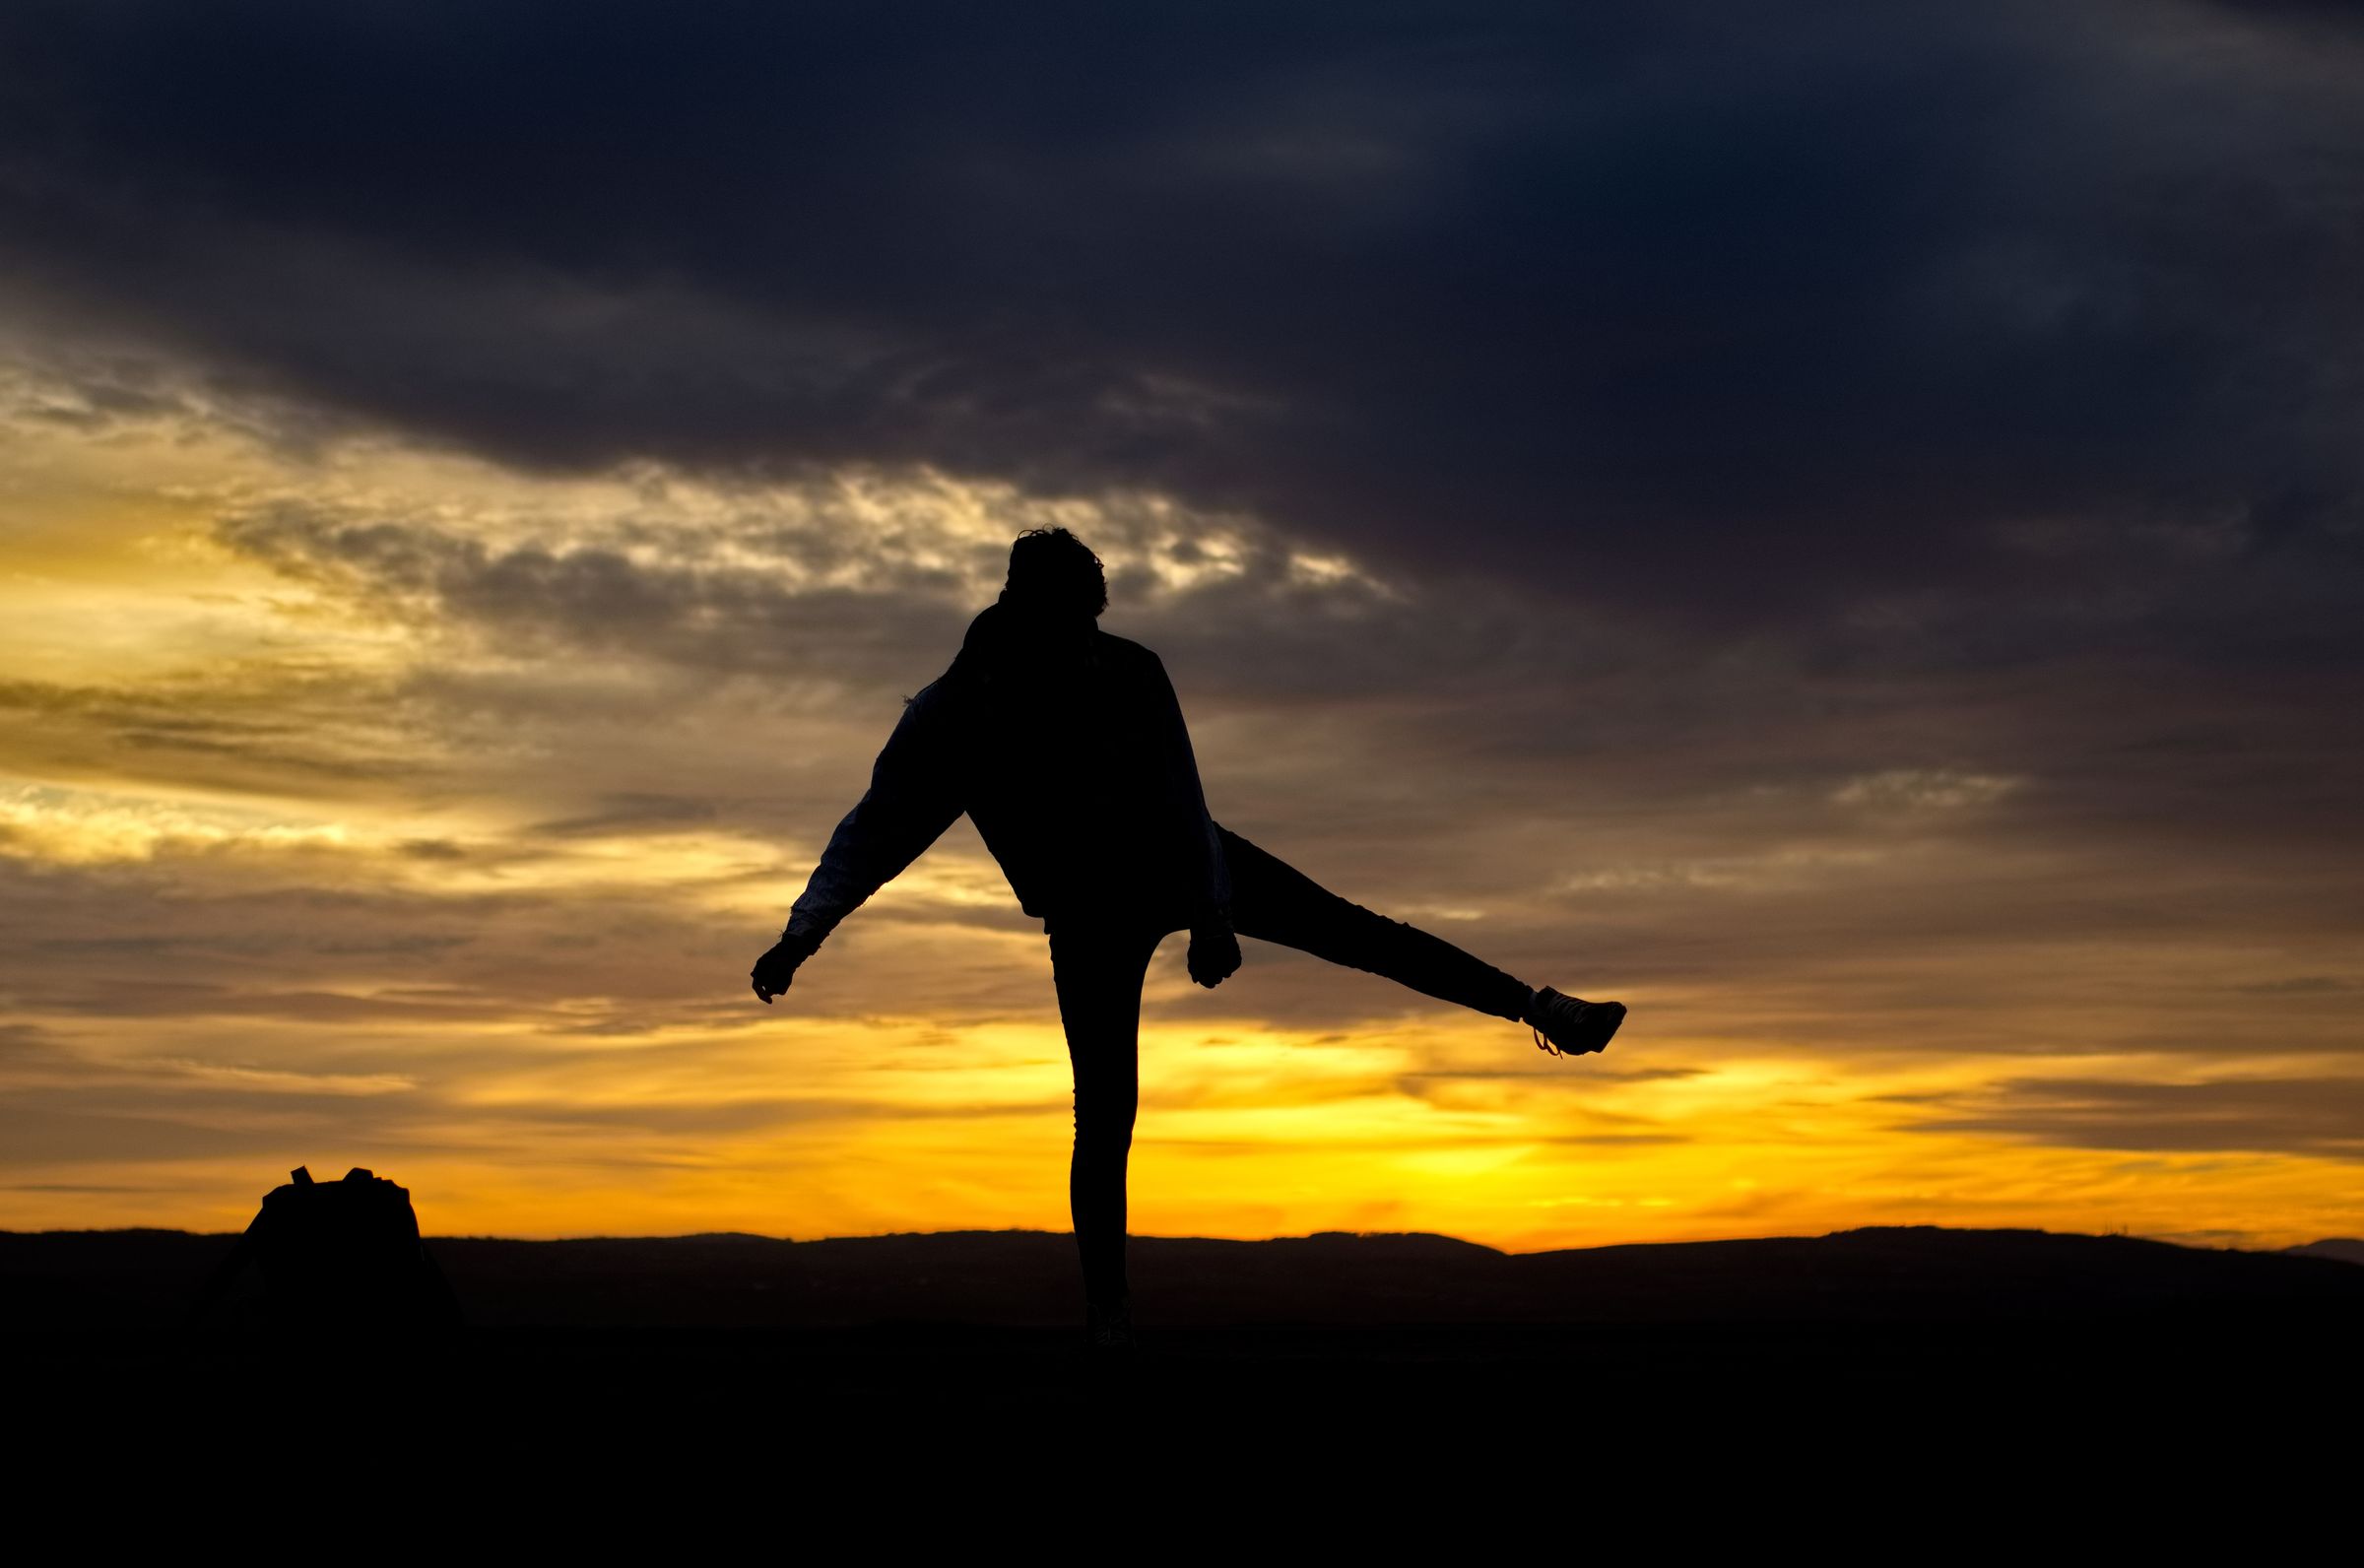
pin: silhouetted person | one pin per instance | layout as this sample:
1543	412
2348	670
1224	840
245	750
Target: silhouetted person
1067	749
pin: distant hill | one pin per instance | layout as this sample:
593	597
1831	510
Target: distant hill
1923	1274
2346	1249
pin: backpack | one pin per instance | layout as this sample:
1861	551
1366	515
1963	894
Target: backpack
339	1255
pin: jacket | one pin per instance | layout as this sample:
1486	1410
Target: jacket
1067	748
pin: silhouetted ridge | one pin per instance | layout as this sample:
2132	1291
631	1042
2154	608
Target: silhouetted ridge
102	1279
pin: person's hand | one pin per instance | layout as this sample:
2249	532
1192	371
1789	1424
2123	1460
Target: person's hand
776	969
1214	954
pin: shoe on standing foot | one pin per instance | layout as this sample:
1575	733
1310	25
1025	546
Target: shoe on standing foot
1109	1328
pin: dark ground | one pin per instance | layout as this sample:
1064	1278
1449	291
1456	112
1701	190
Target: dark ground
1881	1372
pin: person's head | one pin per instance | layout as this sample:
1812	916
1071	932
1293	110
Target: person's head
1053	572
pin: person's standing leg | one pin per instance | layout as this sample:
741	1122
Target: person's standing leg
1275	901
1096	968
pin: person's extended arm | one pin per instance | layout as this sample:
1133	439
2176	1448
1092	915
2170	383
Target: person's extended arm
914	795
1214	949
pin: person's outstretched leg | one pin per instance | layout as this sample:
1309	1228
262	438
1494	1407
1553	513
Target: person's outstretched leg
1096	968
1275	901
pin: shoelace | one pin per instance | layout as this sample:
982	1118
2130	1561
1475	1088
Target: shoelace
1545	1045
1541	1044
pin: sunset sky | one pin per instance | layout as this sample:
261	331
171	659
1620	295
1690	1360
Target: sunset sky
1841	525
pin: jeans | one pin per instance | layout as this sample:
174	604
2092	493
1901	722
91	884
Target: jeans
1097	965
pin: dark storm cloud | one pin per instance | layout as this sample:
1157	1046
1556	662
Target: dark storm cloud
1730	306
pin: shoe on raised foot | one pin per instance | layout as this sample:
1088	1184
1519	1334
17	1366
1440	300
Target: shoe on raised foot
1567	1025
1109	1328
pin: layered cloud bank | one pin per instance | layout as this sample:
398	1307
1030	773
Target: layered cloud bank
1842	527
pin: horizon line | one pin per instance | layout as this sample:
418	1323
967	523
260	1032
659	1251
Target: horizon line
1249	1241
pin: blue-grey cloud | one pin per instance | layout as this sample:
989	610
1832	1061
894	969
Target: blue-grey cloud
2322	1116
1732	309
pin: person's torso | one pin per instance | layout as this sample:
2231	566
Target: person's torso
1077	785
